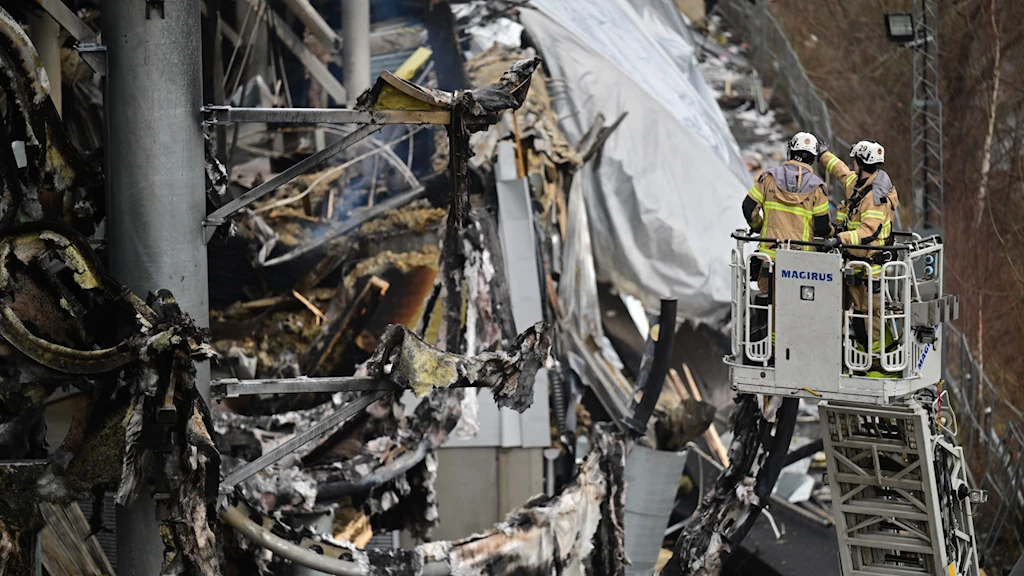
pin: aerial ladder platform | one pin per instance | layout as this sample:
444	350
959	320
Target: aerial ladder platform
898	479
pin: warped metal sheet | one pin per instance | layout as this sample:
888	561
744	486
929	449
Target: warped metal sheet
665	192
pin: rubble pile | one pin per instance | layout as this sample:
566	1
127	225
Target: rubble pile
388	264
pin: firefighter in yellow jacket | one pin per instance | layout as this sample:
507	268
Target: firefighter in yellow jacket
864	219
788	202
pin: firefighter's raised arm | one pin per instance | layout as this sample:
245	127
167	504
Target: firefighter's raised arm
839	170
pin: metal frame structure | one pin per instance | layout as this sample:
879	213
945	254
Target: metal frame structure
926	121
158	222
896	484
91	53
992	430
368	120
423	110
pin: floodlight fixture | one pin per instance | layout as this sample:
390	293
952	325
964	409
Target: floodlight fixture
899	27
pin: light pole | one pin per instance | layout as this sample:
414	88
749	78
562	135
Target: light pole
918	32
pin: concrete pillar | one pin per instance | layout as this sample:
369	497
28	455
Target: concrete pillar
355	47
155	190
45	34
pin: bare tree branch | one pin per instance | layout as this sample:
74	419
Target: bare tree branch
986	159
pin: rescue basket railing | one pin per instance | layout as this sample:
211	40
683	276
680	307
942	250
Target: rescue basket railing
905	266
739	308
895	315
857	357
760	350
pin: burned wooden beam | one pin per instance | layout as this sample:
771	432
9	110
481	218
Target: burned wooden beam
325	351
336	255
69	548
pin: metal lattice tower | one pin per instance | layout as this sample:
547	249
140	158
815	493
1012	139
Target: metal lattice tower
926	120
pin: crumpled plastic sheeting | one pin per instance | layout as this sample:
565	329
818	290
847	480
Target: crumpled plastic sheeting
665	193
502	31
577	290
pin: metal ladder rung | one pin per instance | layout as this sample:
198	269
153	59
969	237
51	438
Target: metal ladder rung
890	542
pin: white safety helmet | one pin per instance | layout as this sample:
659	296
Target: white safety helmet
868	152
803	142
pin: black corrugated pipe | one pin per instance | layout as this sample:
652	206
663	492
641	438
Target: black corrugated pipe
805	451
653	368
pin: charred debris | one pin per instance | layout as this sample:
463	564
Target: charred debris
381	271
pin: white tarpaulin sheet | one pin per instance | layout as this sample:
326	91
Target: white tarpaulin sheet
667	191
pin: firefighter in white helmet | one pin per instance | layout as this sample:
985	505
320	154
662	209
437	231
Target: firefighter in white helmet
864	219
788	202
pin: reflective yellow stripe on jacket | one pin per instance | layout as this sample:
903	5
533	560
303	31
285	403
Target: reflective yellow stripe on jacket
756	194
805	214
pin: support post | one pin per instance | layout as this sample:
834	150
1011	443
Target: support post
45	34
355	47
926	122
155	192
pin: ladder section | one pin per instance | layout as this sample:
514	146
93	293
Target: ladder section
882	476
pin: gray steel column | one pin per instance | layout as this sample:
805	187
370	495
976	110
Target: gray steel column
355	47
155	190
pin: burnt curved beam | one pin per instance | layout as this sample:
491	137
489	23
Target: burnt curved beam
33	241
331	491
58	357
589	510
726	514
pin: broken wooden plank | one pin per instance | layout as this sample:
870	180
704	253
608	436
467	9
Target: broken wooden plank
309	306
711	435
338	333
68	550
677	384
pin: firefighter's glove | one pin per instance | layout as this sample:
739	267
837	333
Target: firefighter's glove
821	149
830	245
